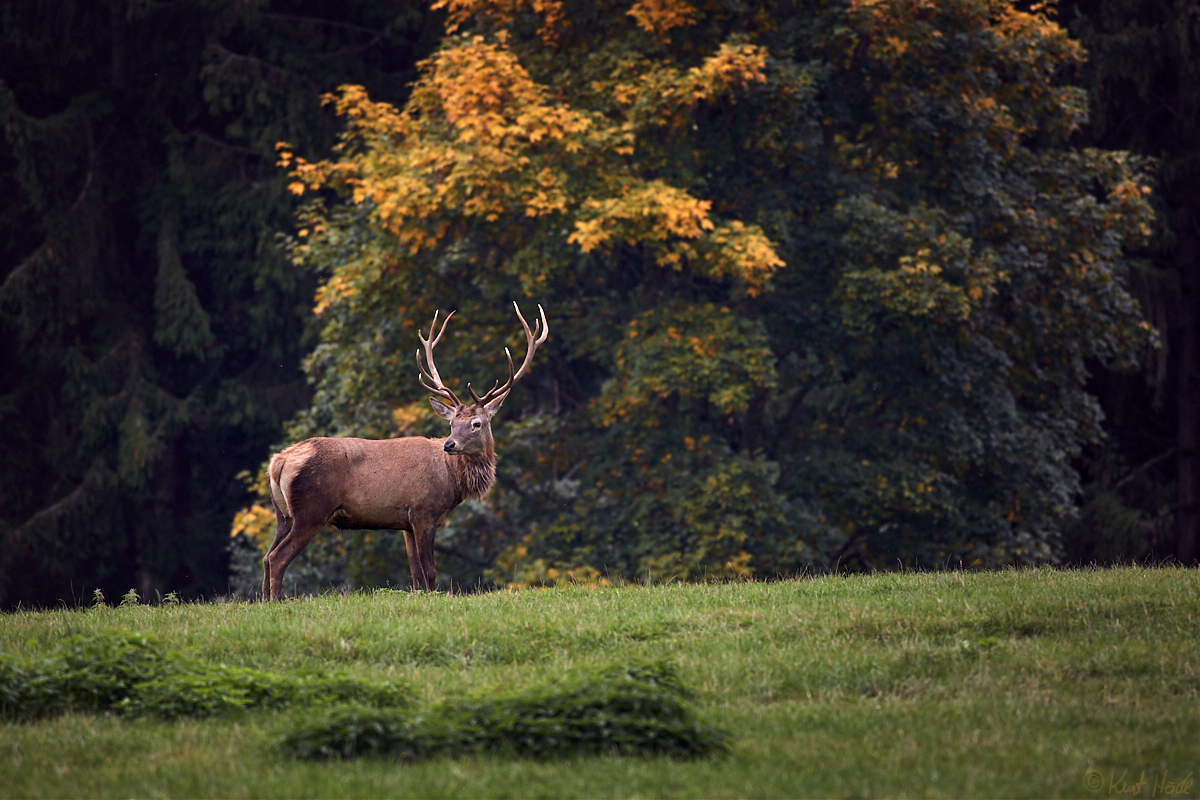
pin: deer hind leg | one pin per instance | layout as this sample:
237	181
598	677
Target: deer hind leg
303	530
306	522
283	526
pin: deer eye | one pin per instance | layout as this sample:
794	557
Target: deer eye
475	425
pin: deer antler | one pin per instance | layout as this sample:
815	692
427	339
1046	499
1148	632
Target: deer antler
438	388
533	339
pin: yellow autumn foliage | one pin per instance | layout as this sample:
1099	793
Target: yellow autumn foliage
257	523
660	16
501	13
480	142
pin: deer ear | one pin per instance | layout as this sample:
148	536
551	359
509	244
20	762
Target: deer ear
441	409
494	406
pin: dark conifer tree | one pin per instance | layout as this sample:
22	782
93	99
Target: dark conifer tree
151	329
1143	76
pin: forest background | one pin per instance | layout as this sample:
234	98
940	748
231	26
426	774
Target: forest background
830	283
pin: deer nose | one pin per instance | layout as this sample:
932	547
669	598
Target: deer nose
449	446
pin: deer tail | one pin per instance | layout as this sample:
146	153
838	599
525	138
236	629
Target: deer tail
274	473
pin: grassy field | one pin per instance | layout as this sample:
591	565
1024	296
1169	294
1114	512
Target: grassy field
1034	683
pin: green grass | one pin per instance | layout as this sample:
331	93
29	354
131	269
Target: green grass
1004	684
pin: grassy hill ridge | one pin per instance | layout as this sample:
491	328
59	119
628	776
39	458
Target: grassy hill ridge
1030	683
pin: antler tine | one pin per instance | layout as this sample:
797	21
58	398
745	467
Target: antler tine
533	339
443	393
438	388
478	401
508	355
430	345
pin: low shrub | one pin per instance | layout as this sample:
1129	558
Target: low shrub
128	673
627	710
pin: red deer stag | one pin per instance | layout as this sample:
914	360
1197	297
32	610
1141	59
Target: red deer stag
410	484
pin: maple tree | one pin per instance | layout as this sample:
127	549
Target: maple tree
826	278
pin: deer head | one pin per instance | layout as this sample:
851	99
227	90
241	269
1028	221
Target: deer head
470	425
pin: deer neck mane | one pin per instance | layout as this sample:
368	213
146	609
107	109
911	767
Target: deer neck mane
473	474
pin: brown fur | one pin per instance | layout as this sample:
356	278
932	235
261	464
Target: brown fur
409	484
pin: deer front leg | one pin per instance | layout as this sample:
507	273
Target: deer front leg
414	560
419	544
426	548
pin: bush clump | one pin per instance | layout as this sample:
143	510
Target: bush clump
627	710
131	674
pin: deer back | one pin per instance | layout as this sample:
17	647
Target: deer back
365	483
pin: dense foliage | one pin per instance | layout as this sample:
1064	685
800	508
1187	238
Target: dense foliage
824	281
150	327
